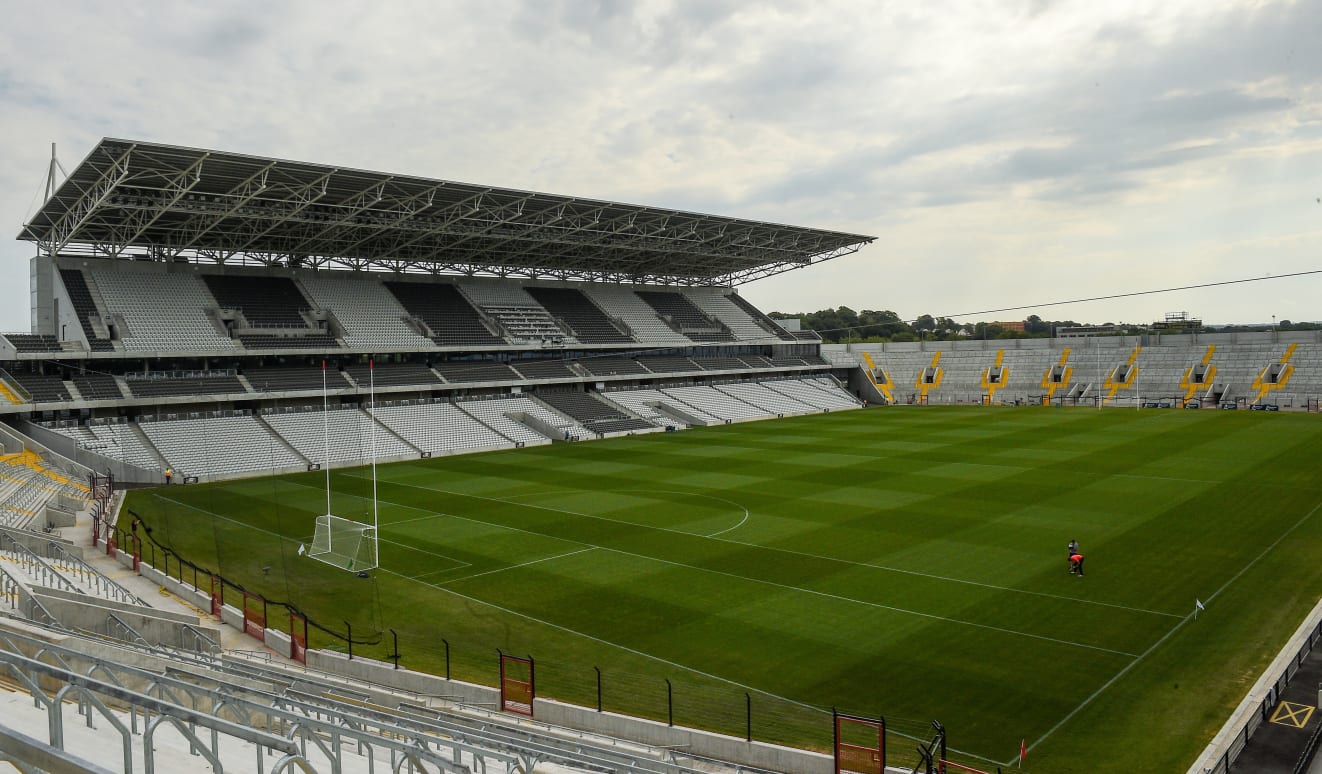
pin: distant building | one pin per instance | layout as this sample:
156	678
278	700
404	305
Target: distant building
1177	321
1017	326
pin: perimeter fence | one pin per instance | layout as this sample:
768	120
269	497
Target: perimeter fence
672	695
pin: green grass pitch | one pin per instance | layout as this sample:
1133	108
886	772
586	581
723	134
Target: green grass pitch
908	562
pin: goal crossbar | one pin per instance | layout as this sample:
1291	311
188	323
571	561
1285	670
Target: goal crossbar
344	543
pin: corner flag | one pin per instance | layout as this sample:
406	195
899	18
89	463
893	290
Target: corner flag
1023	751
302	549
1197	605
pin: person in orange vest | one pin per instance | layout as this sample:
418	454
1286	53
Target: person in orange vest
1076	565
168	475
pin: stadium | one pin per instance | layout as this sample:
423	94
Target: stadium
362	469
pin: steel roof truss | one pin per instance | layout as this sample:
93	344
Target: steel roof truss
177	186
181	203
304	195
406	210
85	206
241	195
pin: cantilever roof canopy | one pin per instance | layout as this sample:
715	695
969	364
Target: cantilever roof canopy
161	202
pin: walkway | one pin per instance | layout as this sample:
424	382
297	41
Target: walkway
1277	744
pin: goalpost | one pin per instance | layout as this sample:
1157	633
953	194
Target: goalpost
344	543
340	542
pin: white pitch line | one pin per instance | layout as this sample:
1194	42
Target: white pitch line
886	568
596	639
837	597
649	656
430	515
741	523
1168	478
462	564
878	605
218	516
516	566
422	575
573	631
934	576
731	529
1174	629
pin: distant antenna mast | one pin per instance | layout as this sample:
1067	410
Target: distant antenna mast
51	180
50	176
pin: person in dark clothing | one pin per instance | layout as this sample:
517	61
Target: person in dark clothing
1070	552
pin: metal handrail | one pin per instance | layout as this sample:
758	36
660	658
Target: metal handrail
130	634
12	587
111	587
25	669
29	559
303	717
78	566
298	724
200	638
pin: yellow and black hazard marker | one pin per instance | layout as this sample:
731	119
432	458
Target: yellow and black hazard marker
1294	715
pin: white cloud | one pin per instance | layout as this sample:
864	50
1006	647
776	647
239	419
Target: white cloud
1002	153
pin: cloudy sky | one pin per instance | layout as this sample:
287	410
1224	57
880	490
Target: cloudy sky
1003	153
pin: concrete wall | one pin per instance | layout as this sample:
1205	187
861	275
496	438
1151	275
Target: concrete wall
38	541
113	606
41	274
556	713
56	518
278	641
1258	695
862	387
539	425
185	591
726	748
380	674
231	616
85	458
15	441
384	674
157	627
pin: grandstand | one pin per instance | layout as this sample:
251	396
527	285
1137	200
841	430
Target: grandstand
1236	370
216	318
222	316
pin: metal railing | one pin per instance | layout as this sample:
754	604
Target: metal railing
210	702
37	567
1235	746
119	629
73	564
28	606
157	713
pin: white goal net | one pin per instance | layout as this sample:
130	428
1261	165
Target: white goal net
344	543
